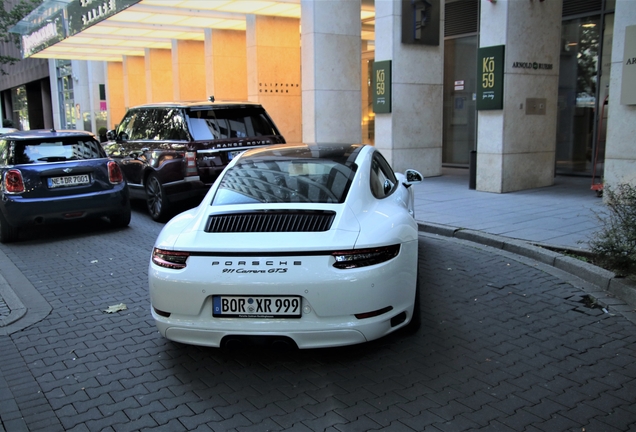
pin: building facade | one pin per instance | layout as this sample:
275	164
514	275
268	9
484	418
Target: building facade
517	90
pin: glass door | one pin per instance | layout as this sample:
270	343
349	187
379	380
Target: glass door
460	64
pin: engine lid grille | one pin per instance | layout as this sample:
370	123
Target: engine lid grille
271	221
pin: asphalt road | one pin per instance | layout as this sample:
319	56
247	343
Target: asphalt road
504	345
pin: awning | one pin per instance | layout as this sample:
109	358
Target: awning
109	29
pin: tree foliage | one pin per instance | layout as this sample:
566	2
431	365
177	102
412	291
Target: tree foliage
10	13
615	244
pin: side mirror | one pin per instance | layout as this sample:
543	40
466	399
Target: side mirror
413	176
110	135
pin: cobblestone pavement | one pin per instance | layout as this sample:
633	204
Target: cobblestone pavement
504	346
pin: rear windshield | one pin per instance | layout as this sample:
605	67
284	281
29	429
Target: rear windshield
230	123
285	181
56	150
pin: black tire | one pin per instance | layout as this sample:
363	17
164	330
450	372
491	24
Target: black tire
122	220
8	233
156	200
416	320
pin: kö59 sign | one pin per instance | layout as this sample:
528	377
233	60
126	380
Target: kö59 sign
490	78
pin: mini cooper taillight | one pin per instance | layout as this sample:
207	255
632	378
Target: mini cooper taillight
364	257
13	182
114	173
170	259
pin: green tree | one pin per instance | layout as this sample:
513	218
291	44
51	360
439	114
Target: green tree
10	13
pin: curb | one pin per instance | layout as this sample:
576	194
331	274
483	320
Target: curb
27	306
606	280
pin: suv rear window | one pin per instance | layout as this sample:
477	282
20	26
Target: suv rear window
230	123
55	150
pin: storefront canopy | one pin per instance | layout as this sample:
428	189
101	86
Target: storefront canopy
109	29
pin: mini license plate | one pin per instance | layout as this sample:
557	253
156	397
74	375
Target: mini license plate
256	306
74	180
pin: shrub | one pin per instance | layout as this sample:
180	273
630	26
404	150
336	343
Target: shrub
615	244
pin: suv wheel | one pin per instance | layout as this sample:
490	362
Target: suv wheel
8	233
156	198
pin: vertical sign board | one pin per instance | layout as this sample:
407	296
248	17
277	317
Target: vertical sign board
382	87
490	74
628	84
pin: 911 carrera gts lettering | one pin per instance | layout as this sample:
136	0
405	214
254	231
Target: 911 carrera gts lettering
242	270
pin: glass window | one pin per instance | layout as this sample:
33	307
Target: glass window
56	150
460	115
297	179
577	102
383	180
230	123
170	126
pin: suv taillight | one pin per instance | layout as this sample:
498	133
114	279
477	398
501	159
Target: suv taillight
13	182
191	164
114	173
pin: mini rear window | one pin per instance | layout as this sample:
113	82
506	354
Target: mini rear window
230	123
56	150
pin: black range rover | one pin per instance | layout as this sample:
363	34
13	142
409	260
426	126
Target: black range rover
174	151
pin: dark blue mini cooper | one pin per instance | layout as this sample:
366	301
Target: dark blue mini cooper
53	176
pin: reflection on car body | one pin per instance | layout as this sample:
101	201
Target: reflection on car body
292	243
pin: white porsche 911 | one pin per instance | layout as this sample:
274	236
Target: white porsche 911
306	245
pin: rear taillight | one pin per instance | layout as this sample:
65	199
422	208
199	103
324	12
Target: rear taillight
364	257
114	173
13	182
191	164
169	259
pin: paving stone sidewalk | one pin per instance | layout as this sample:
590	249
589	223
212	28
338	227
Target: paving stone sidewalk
506	344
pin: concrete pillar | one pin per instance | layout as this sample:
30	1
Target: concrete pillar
134	81
273	71
411	135
115	99
159	83
620	153
188	70
516	146
331	93
226	64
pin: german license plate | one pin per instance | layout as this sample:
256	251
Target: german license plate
256	306
74	180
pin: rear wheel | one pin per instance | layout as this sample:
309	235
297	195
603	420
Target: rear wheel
156	198
8	233
122	220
